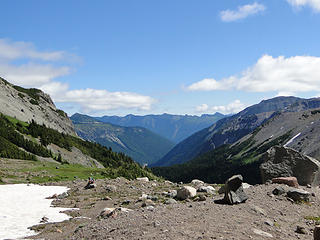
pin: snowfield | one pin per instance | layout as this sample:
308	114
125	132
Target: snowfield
23	205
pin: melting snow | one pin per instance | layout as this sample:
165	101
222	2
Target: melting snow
292	139
22	206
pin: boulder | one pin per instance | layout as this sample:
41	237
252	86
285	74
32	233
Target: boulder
186	192
316	233
234	193
298	195
206	189
281	161
197	182
290	181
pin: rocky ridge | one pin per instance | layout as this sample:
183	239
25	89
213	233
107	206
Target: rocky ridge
33	104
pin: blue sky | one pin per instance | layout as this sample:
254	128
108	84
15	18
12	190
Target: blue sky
176	56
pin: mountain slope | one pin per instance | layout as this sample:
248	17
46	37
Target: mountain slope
298	130
141	144
57	145
173	127
32	104
231	129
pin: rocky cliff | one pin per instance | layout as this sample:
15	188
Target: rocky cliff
33	104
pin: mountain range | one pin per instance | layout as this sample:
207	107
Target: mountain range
234	144
173	127
142	145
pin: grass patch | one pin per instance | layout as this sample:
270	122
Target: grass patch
315	219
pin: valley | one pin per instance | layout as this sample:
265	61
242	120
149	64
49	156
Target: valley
129	200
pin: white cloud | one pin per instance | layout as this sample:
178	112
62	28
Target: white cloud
38	73
293	74
17	50
202	108
242	12
31	74
99	100
314	4
233	107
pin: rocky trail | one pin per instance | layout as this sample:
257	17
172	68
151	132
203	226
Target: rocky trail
140	209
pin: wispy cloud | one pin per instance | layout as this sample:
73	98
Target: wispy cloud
102	100
314	4
280	74
10	50
242	12
233	107
41	69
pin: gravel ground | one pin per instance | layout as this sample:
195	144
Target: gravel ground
262	216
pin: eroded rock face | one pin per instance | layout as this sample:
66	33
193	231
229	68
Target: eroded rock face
280	161
234	193
40	108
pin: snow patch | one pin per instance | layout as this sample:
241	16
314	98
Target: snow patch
23	205
292	139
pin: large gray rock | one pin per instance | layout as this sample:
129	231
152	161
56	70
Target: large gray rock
281	161
186	192
234	193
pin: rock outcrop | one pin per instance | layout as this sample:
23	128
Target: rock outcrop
285	162
33	104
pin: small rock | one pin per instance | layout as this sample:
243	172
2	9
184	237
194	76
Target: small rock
262	233
308	185
107	198
186	192
268	222
301	230
44	220
125	210
90	185
156	224
150	208
54	196
298	195
172	193
170	201
108	212
202	198
290	181
278	191
147	203
63	195
143	179
143	197
111	188
126	202
246	185
258	210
